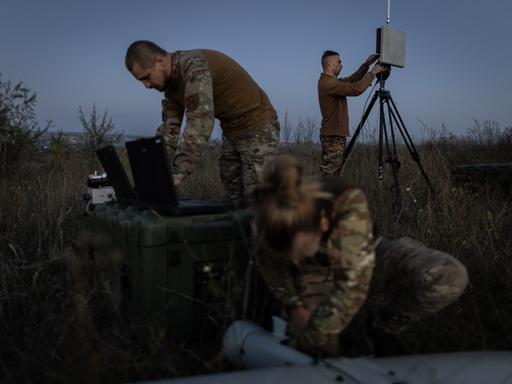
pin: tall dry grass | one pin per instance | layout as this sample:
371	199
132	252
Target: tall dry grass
57	325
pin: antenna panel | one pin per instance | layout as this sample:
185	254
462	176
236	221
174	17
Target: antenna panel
391	46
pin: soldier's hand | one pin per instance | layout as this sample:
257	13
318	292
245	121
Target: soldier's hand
299	320
178	179
378	68
372	58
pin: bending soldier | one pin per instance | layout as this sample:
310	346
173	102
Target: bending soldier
204	84
317	255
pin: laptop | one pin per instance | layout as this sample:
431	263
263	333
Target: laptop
116	174
153	179
151	171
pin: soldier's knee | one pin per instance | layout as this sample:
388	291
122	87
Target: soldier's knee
435	277
448	280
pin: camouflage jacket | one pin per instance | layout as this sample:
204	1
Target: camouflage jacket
195	86
205	85
334	283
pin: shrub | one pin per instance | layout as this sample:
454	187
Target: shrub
98	133
19	129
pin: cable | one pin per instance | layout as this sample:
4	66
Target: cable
366	101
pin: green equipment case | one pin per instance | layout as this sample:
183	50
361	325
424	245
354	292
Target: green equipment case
175	269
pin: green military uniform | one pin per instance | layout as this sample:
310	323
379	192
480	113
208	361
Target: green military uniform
205	85
332	97
403	279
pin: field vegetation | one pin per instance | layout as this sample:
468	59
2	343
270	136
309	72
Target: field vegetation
55	326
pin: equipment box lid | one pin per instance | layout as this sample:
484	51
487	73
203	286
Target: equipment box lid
147	228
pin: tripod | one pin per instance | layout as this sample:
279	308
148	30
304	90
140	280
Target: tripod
387	139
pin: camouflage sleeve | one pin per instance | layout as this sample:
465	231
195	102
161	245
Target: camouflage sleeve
351	252
277	276
199	112
169	130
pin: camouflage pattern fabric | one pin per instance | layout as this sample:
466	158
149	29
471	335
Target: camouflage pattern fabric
409	282
334	283
333	148
242	160
169	130
242	157
198	91
412	282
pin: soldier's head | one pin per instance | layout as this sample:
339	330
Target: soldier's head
149	64
289	212
331	63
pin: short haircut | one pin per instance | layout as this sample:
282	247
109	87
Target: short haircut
142	52
326	54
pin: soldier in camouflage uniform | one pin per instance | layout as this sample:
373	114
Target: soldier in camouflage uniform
204	85
332	97
318	257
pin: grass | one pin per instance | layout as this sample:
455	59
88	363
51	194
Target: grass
59	326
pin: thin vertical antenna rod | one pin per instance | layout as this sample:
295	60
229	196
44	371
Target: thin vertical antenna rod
388	18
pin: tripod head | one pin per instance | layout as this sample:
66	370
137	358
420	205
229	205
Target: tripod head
383	76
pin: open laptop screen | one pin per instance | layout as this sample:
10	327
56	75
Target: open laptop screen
152	172
116	174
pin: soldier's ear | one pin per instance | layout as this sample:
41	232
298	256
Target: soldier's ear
158	60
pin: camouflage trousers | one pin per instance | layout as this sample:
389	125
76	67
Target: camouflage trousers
410	282
242	160
333	148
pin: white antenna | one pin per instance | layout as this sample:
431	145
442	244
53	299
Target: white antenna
388	18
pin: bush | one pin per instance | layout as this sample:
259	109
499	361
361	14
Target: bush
19	129
98	133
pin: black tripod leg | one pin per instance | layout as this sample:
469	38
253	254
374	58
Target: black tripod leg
346	155
392	131
395	165
409	143
382	135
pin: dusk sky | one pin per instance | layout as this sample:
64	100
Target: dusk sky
72	54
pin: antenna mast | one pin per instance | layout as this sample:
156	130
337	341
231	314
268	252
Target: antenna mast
388	18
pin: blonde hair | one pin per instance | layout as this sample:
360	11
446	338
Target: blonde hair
286	203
